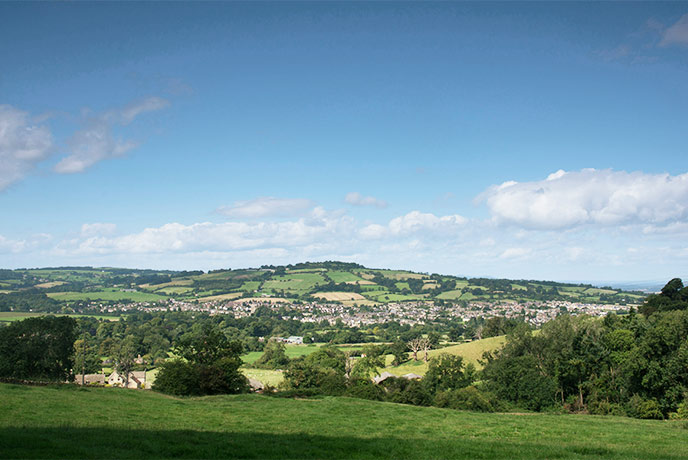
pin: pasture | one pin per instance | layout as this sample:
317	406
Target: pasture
70	422
107	295
471	352
294	282
343	277
292	351
9	316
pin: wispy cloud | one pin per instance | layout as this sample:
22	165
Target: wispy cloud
98	229
356	199
96	142
604	197
23	145
677	34
267	206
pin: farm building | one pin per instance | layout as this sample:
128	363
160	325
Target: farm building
89	379
137	380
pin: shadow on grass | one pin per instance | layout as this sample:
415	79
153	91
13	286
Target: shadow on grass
71	442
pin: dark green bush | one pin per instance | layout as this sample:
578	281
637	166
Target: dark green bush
468	398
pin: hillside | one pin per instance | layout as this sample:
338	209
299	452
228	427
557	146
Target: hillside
345	283
471	352
70	422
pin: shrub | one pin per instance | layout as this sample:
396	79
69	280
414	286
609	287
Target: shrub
468	398
682	411
364	389
644	408
605	408
403	391
178	377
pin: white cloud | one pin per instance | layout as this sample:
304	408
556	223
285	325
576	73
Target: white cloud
98	228
95	142
22	145
90	146
26	244
356	199
318	229
677	34
604	197
131	111
414	222
514	253
267	206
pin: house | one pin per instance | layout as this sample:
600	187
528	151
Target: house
294	339
137	380
89	379
382	377
412	376
256	385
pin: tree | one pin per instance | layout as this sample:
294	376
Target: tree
208	364
38	348
274	356
323	371
448	372
372	358
398	350
674	296
85	358
124	358
415	345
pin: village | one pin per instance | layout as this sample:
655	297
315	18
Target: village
535	313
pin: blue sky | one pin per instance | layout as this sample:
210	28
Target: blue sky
536	140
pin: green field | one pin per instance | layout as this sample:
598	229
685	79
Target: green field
451	295
294	282
8	316
265	376
470	351
108	295
292	351
72	422
175	290
343	277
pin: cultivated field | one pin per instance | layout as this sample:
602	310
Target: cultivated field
230	296
339	296
72	422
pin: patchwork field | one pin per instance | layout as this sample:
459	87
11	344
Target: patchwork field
71	422
110	285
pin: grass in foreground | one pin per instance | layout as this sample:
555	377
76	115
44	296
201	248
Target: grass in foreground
68	422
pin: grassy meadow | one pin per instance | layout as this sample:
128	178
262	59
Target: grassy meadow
471	352
71	422
107	295
9	316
